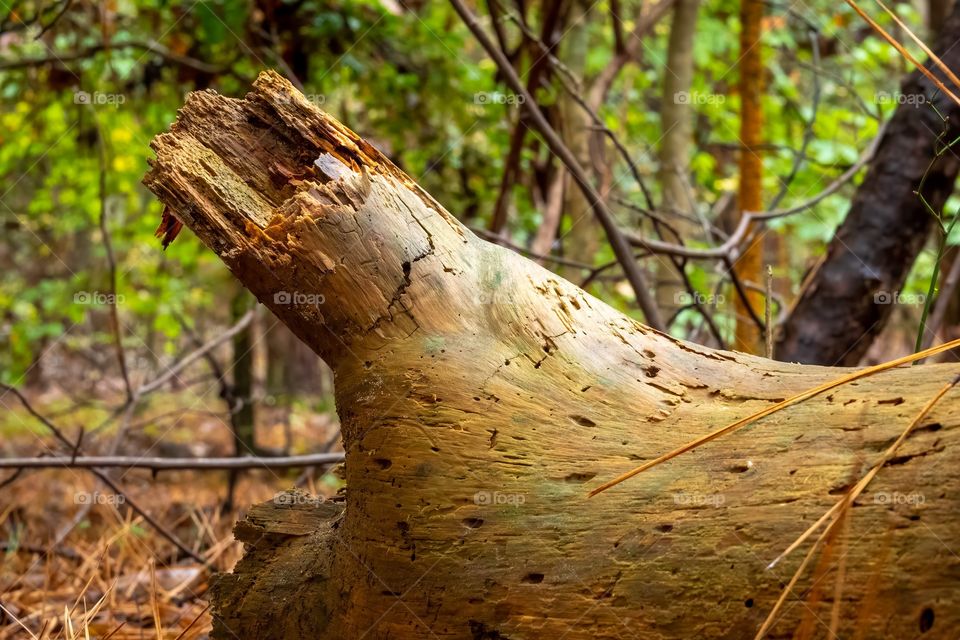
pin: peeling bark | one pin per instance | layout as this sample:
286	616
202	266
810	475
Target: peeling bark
482	396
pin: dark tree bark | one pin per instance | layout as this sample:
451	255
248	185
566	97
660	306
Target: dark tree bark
848	298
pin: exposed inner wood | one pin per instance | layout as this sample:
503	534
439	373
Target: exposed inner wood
482	396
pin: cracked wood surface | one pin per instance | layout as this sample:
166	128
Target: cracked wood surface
482	396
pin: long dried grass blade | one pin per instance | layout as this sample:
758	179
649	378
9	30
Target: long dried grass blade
800	397
10	615
906	54
771	618
858	488
183	633
920	43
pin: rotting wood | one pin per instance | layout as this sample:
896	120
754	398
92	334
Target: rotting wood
482	396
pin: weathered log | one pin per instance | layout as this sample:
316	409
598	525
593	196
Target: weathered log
482	396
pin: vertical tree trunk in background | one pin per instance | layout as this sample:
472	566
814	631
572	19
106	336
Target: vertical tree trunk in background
551	215
581	241
242	411
481	396
847	300
937	13
749	267
551	29
676	123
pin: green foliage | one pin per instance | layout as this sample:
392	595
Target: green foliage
418	86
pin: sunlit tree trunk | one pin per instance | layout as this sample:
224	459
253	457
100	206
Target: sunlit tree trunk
749	266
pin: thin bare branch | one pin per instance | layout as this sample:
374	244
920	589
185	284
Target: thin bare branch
172	464
618	243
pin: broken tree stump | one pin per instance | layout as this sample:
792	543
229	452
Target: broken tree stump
482	397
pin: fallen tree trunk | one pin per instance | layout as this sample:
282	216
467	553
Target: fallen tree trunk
482	397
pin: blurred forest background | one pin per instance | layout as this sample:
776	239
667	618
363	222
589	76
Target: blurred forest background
126	349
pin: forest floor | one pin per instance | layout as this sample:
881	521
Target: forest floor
112	575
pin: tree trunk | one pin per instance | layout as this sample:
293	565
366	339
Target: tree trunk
242	417
676	121
850	296
482	396
749	266
937	13
581	241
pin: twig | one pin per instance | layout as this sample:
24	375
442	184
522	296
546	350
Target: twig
111	259
944	298
46	27
801	153
934	57
173	539
738	237
768	313
643	24
739	287
575	94
618	243
172	464
495	238
768	622
166	376
150	46
183	633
